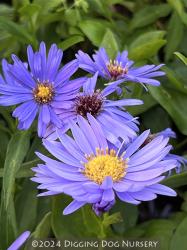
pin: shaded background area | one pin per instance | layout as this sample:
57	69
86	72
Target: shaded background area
151	31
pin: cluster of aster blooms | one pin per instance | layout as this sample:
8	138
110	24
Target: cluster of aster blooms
105	157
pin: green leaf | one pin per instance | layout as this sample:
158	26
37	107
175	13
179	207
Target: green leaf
94	30
66	225
178	5
30	10
16	151
8	118
112	219
175	80
181	57
148	36
6	10
174	102
18	31
111	47
156	119
72	17
43	229
48	5
26	198
30	13
35	146
149	14
82	4
69	225
174	35
91	222
129	216
148	102
179	239
146	45
176	180
72	40
8	230
161	230
3	145
178	217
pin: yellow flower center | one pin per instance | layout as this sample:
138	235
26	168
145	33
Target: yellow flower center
115	69
105	164
43	93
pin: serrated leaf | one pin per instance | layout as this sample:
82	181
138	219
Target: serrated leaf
16	151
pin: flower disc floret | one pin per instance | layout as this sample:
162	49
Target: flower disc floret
115	69
43	93
105	164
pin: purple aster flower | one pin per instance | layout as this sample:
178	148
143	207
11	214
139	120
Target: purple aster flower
169	133
93	171
19	241
181	161
112	117
120	68
39	89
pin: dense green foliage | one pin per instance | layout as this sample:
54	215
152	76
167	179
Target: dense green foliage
151	31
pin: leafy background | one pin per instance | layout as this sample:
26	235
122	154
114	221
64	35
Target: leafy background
151	31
